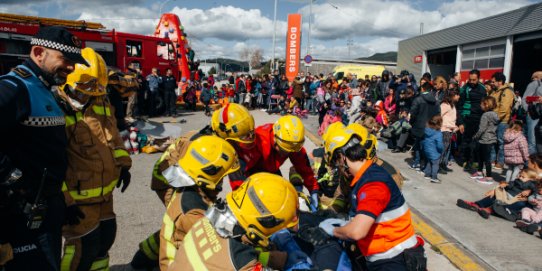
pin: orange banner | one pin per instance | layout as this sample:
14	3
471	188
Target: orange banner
293	46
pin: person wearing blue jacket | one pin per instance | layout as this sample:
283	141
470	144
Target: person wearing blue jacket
432	146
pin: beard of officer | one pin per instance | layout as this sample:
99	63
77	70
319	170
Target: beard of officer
54	65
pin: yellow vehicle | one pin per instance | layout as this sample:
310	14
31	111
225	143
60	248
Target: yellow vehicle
360	70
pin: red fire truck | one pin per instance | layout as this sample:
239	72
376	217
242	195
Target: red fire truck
117	48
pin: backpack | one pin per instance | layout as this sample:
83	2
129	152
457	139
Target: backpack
516	108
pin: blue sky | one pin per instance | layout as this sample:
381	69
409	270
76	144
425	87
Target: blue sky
225	28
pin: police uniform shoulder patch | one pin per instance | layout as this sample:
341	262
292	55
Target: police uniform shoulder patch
22	72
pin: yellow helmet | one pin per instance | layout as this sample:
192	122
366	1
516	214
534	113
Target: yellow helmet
208	159
264	204
335	140
331	128
90	80
233	122
368	141
289	133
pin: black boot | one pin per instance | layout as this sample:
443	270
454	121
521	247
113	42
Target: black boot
140	261
445	168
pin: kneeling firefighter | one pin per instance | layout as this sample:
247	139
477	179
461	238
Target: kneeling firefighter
97	162
380	220
334	185
197	178
234	235
233	123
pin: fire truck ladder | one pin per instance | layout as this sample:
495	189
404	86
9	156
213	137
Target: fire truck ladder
80	24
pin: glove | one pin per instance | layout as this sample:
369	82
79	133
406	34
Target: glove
314	235
295	257
6	254
73	215
329	224
124	179
314	201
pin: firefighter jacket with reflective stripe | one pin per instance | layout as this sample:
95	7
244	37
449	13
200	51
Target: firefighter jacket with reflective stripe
186	207
203	249
392	231
271	159
169	158
96	154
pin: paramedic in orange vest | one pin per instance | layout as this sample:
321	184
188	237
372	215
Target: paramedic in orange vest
380	220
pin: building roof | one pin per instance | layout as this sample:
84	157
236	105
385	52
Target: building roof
522	20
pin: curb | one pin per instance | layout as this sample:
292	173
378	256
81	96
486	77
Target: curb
459	256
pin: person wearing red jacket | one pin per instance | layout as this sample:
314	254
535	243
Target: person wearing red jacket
280	141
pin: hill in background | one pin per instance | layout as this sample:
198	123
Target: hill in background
389	56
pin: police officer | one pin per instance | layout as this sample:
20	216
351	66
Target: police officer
33	142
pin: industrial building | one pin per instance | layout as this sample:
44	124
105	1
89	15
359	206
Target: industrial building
510	42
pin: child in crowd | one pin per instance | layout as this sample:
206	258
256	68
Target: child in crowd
486	137
505	199
401	129
205	98
292	104
381	115
449	116
516	150
531	215
432	147
332	116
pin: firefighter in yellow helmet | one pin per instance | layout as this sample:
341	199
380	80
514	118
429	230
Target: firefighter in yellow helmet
234	235
197	178
233	123
284	139
97	162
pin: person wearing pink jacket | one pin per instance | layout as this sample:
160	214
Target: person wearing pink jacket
516	150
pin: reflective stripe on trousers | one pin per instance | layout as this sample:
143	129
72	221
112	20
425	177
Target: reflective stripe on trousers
150	247
100	265
69	254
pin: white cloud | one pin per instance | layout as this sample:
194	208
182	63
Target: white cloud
27	9
131	19
351	18
227	23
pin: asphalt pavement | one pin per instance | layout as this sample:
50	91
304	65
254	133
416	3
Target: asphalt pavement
139	211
